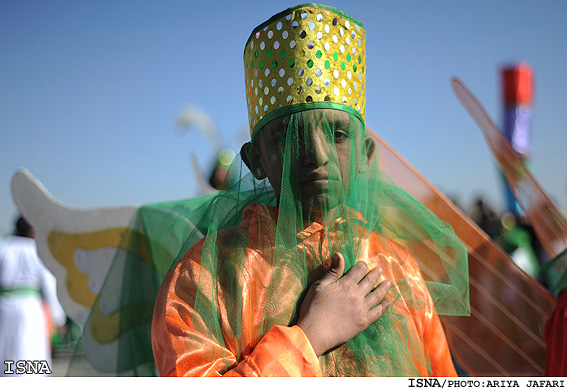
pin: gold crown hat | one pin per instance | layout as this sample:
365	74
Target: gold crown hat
308	56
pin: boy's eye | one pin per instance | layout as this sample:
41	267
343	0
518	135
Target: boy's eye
340	135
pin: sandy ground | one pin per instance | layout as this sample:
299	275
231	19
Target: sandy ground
59	365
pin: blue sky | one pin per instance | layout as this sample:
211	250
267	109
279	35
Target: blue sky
90	92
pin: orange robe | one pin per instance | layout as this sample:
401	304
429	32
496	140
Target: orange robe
223	318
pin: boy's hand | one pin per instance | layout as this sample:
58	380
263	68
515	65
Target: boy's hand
337	308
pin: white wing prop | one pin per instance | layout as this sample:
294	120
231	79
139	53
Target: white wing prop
109	263
79	247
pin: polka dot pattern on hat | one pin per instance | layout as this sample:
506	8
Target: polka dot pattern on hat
305	55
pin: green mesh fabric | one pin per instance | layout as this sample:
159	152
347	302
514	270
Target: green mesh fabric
355	205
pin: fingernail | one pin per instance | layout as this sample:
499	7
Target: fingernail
335	260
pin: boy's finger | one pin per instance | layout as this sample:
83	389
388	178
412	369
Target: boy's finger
375	313
369	281
336	271
356	273
377	295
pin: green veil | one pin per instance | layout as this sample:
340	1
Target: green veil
363	204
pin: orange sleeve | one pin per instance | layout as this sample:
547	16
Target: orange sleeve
190	343
438	349
283	351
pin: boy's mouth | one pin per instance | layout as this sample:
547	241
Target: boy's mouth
315	178
316	182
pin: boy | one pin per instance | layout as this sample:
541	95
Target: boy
263	294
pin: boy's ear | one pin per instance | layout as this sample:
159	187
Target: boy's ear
369	146
251	158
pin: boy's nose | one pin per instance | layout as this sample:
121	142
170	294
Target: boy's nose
315	151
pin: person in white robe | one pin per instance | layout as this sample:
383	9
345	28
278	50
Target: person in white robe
27	297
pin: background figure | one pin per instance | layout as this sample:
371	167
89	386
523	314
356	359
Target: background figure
221	169
486	218
27	299
516	240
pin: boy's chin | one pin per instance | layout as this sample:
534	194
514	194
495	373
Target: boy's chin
320	203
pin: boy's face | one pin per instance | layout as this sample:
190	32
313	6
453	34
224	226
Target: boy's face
327	156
